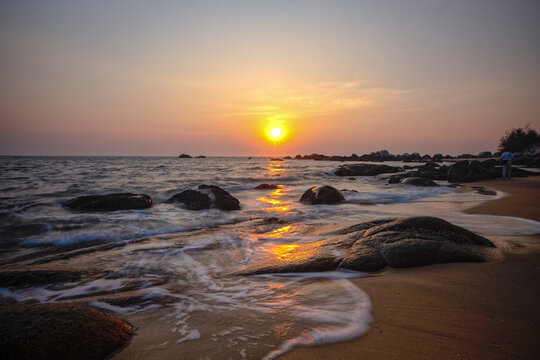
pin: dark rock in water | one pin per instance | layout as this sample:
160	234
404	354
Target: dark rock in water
110	202
298	157
483	191
184	156
276	159
465	171
419	181
437	157
287	158
36	277
321	195
221	199
192	200
266	187
59	331
374	245
364	170
206	197
200	157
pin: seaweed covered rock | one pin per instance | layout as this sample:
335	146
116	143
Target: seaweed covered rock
59	331
110	202
321	195
206	197
364	169
374	245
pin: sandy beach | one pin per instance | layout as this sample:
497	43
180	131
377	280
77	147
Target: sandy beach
456	311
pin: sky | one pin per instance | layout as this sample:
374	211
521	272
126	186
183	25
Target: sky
211	77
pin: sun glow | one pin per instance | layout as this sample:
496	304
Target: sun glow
276	132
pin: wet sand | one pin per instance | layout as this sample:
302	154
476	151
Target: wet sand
456	311
522	199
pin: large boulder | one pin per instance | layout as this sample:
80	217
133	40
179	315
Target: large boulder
110	202
364	169
192	200
374	245
321	195
468	171
418	181
206	197
59	331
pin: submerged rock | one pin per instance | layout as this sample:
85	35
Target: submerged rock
364	170
59	331
206	197
266	187
418	181
374	245
321	195
110	202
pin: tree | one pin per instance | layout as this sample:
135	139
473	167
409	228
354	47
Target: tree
519	139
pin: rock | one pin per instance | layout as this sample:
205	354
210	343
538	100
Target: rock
374	245
437	157
485	154
192	200
206	197
276	159
31	277
184	156
321	195
465	171
266	187
110	202
221	199
200	157
287	158
59	331
364	170
419	181
298	157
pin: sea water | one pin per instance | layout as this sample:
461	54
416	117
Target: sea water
168	271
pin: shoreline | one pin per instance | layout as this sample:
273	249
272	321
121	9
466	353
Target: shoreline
459	310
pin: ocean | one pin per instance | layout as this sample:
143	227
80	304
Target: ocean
170	272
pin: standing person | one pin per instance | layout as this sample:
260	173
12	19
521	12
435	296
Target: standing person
507	157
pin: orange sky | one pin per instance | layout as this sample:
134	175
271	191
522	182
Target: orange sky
208	77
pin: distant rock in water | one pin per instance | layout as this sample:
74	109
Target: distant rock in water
374	245
266	187
276	159
418	181
364	169
200	157
184	156
59	331
321	195
206	197
110	202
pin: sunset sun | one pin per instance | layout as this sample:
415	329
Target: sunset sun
276	133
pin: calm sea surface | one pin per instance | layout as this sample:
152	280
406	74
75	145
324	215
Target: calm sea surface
165	269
